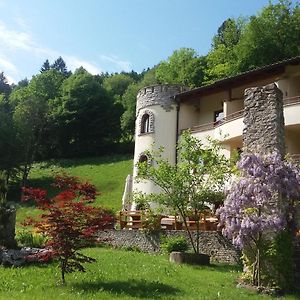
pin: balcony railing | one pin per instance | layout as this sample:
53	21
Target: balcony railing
295	158
238	114
208	126
291	100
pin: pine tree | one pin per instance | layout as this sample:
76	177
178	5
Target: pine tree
45	67
5	88
60	66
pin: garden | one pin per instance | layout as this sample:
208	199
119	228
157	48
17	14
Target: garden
75	263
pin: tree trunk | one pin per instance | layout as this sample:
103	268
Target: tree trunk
187	229
63	271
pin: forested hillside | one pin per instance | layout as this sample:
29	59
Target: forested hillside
64	114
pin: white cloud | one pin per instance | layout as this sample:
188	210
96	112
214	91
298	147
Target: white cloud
20	43
7	65
119	64
10	79
74	63
15	41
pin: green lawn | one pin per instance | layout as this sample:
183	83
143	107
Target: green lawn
107	173
125	275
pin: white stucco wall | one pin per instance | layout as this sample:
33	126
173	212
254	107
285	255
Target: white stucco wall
164	136
292	114
188	115
208	105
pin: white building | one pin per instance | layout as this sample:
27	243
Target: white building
163	111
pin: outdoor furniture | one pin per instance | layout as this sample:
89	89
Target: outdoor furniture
133	220
171	223
130	219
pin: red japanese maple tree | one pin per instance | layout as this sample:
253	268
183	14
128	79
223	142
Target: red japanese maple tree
69	221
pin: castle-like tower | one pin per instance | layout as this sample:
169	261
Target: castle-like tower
156	126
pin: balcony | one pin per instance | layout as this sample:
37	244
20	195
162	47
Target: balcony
287	102
208	126
295	158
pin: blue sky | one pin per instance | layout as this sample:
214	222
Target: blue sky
108	36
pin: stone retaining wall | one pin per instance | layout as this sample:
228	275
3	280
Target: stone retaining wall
211	243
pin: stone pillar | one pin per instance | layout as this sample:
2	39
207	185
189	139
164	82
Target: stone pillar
264	133
263	120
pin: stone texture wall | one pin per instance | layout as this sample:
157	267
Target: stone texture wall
264	132
211	243
263	120
158	95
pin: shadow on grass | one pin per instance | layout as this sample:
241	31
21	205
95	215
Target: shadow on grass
294	293
14	194
219	268
134	288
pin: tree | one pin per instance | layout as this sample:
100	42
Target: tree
86	120
221	60
117	84
5	88
271	36
191	185
69	221
184	67
259	205
45	67
22	83
10	149
60	66
30	107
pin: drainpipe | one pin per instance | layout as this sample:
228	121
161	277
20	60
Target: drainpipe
177	128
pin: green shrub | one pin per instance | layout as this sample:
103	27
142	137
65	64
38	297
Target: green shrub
150	222
27	238
178	244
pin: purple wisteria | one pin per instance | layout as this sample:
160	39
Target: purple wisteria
259	199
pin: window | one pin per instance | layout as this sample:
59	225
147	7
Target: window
143	162
143	158
145	124
218	115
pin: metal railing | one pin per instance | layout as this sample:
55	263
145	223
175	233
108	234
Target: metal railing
208	126
291	100
295	157
238	114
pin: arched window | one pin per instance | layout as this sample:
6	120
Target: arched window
143	158
143	162
145	124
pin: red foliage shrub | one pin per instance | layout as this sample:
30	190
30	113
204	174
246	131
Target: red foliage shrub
69	221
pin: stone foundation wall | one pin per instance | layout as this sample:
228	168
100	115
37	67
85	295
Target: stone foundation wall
211	243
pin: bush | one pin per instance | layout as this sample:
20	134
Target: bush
178	244
31	239
151	222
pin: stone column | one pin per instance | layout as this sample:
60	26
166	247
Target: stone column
264	133
263	120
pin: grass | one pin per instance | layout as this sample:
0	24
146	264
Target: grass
107	173
124	275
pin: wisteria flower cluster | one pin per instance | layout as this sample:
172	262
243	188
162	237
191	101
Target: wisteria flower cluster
258	200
